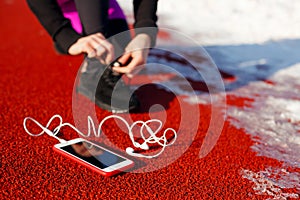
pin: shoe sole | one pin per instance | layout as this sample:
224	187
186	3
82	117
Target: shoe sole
90	96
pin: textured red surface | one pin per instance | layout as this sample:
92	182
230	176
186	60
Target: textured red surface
37	82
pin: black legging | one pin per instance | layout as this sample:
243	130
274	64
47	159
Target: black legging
93	15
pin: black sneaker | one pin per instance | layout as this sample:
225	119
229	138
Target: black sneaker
113	94
110	93
91	71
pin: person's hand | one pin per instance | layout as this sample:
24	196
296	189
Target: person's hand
135	55
94	45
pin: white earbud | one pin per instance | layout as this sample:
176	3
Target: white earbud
144	146
129	150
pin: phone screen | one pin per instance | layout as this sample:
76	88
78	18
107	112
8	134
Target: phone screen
93	154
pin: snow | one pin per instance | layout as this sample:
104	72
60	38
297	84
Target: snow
229	21
265	183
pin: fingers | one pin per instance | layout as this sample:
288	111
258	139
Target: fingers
124	58
95	46
136	64
135	67
109	51
103	47
90	51
104	50
137	50
89	45
100	50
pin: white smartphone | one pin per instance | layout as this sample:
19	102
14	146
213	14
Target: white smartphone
93	156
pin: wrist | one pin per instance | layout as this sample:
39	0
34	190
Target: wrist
143	41
151	32
144	37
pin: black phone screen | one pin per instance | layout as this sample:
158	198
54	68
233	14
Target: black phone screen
92	154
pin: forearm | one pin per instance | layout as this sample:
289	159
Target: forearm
146	18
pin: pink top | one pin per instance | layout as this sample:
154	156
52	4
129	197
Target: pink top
69	10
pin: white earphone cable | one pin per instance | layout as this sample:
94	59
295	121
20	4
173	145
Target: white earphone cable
152	139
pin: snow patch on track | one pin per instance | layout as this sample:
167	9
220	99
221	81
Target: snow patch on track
273	119
273	181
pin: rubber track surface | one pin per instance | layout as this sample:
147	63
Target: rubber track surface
35	81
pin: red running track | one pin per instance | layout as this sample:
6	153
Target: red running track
37	82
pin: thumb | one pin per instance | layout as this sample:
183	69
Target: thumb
124	58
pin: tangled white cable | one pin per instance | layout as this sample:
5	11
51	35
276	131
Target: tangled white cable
152	139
